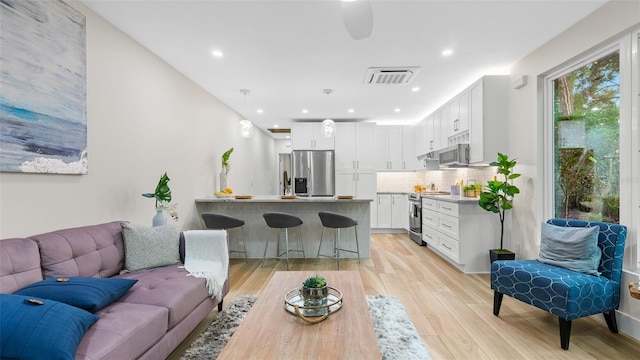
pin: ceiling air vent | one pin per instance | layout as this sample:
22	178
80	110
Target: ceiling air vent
390	75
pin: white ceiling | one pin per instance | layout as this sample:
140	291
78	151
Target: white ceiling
287	52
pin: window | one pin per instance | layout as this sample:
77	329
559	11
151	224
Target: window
586	147
592	139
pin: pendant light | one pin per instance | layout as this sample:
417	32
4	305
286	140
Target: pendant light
328	125
246	126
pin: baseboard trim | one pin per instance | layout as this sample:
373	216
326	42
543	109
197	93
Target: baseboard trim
628	325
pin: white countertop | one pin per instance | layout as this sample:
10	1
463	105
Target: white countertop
276	198
453	198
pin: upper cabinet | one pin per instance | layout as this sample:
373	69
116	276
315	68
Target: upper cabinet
388	148
354	149
458	114
310	136
395	148
409	158
489	118
478	116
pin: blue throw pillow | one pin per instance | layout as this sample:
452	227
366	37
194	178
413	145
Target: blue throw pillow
573	248
91	294
32	328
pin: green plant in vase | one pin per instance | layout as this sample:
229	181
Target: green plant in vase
162	195
225	172
498	195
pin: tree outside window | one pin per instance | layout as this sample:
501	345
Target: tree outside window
587	142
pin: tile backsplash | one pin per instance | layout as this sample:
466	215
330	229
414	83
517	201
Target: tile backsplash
442	179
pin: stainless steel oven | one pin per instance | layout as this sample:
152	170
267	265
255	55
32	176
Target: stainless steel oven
415	218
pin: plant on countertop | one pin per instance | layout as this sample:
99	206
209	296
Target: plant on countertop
498	195
162	194
315	282
225	160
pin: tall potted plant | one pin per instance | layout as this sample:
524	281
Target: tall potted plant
497	197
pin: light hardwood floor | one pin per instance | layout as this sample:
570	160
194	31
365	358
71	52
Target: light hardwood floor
451	311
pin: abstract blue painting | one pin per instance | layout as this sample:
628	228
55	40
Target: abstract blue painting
43	117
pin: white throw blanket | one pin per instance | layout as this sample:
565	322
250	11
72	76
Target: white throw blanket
206	256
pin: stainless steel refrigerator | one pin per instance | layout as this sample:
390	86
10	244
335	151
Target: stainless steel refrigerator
314	172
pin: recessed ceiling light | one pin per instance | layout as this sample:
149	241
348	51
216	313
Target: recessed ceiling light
415	89
288	136
396	109
259	111
447	52
275	126
217	54
350	110
304	111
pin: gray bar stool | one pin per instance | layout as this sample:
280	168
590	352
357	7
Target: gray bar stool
337	222
283	221
223	222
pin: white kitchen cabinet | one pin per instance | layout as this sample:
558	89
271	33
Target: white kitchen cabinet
393	211
429	125
462	233
488	118
422	135
430	233
395	148
354	147
384	211
310	136
400	211
388	142
440	126
458	114
409	156
362	185
355	170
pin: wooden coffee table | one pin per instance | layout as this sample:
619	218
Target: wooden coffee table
270	332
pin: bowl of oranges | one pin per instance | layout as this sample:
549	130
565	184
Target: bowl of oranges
226	193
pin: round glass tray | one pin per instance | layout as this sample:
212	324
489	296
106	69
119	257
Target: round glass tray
333	304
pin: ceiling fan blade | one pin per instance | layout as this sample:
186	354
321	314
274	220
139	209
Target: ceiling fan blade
358	18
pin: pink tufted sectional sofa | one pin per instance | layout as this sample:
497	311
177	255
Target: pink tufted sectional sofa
148	322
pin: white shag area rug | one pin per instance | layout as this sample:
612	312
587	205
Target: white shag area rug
397	337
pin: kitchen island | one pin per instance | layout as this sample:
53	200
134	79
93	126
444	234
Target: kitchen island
256	231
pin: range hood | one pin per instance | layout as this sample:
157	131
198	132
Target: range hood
455	156
430	160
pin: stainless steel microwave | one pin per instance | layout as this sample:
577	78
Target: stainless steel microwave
454	156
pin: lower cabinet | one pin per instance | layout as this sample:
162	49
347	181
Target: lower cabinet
462	233
393	211
360	184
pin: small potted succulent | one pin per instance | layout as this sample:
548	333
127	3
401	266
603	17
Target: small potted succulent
314	293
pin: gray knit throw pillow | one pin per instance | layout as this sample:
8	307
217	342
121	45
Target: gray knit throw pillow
148	247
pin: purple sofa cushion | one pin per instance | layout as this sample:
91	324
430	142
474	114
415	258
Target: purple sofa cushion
169	287
124	331
19	264
89	251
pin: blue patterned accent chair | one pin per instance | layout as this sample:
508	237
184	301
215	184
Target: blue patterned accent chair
565	293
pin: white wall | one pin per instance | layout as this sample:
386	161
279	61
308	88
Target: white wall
526	144
144	118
